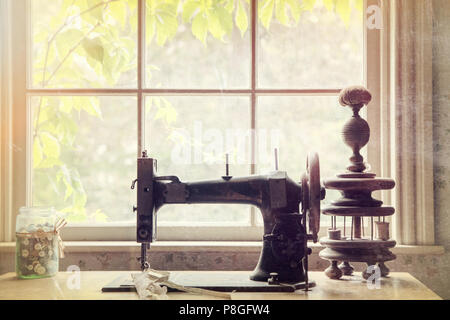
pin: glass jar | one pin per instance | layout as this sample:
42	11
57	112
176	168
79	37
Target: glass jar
37	244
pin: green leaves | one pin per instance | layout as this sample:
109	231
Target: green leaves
190	7
344	10
329	4
166	26
38	153
50	145
359	5
97	12
88	104
65	175
166	110
94	48
161	20
214	17
119	11
74	194
66	40
225	19
200	27
56	130
287	12
295	9
56	127
281	13
241	18
86	37
308	4
265	10
99	216
46	151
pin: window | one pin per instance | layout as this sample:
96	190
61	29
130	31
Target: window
189	81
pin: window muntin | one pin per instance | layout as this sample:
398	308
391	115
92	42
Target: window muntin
237	82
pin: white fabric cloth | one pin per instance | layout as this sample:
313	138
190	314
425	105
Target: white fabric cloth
152	285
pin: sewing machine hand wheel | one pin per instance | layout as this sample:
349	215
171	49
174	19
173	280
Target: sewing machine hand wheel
312	194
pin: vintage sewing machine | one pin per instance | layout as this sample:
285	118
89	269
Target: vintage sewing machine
290	211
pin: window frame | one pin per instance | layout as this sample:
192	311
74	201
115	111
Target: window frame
21	175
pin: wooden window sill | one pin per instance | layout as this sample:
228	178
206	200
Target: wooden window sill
205	246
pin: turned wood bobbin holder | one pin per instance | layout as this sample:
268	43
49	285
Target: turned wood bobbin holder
353	244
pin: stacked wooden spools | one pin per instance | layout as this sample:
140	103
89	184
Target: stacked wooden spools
354	243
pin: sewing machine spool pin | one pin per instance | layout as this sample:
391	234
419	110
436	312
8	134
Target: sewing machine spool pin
227	176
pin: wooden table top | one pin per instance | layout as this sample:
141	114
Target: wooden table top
399	286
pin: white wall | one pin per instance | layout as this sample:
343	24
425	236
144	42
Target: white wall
441	110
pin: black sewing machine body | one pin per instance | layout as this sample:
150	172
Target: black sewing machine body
284	204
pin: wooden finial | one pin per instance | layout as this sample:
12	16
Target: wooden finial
355	97
356	132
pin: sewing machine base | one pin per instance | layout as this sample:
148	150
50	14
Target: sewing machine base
224	282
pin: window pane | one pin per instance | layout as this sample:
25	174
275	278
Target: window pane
189	136
298	126
197	46
323	50
83	44
84	156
